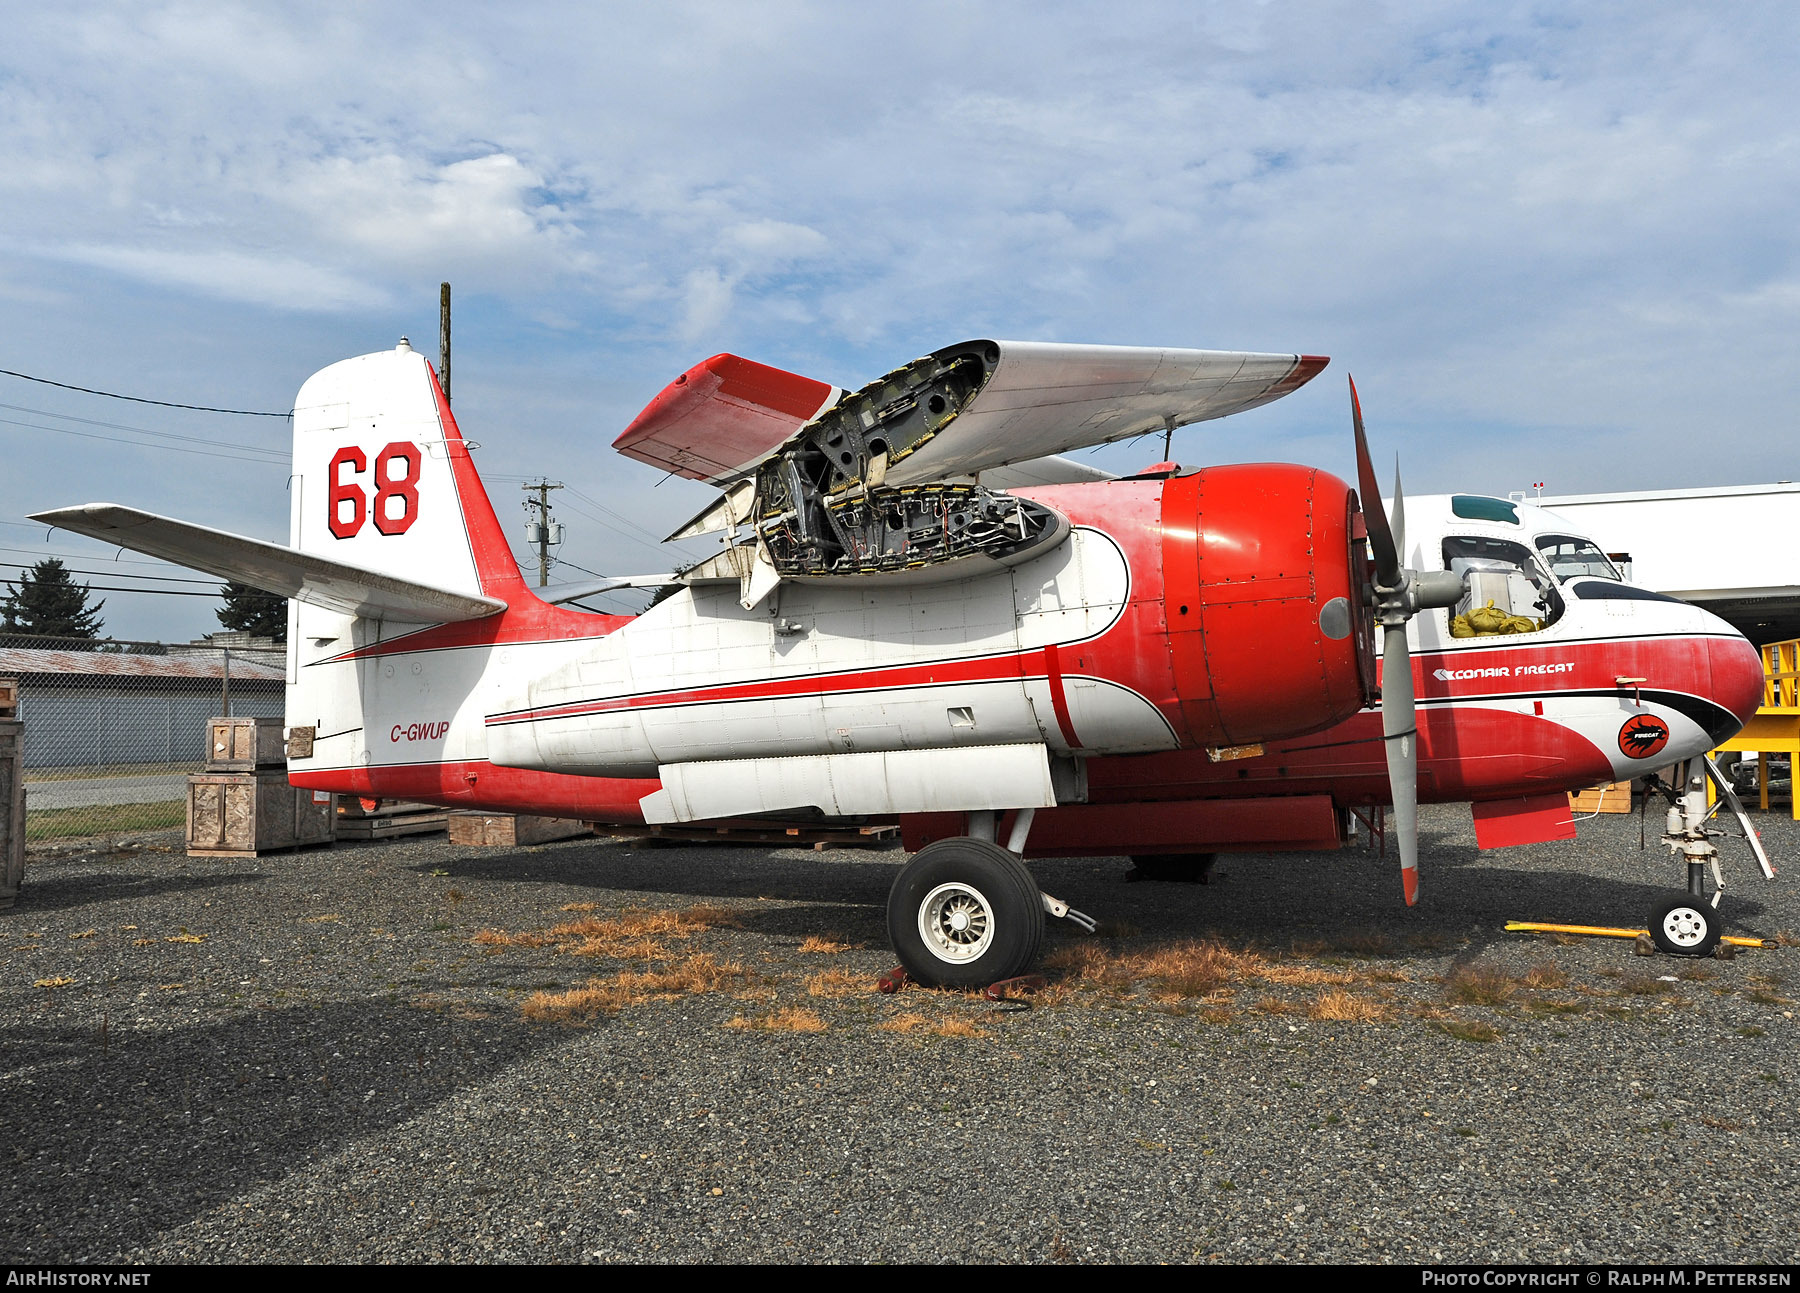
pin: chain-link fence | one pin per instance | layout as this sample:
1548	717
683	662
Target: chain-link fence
112	728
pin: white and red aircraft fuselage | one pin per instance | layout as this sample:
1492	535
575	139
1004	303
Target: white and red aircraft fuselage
1101	656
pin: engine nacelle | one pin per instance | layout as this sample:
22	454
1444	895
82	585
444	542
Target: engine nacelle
1270	635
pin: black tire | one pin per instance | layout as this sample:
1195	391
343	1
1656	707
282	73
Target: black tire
1181	868
1685	926
970	880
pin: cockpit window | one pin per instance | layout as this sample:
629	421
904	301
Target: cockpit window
1506	590
1572	558
1474	507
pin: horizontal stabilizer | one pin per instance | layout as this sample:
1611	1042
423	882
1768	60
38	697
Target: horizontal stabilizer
272	567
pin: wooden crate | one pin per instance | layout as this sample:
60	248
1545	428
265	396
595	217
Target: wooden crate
12	812
9	698
246	814
245	744
509	830
1615	798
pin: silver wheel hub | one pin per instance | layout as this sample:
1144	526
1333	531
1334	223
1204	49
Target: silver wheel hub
956	923
1685	927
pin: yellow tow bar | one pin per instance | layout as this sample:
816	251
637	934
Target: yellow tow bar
1605	931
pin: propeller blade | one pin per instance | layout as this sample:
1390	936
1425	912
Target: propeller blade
1399	521
1381	539
1400	733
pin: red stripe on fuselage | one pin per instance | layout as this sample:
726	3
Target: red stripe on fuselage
997	668
1059	700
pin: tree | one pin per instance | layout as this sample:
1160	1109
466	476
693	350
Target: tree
251	610
47	602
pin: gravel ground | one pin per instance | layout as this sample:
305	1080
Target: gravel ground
320	1057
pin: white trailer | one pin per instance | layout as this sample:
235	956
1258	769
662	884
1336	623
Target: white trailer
1725	548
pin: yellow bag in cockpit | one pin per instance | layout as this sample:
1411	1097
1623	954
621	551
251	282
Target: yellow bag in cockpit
1488	621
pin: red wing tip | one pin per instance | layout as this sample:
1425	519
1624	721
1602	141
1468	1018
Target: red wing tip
658	411
1306	367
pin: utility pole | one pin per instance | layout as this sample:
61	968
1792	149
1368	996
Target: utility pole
444	339
540	530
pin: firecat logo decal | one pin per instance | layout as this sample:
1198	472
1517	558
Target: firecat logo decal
1643	736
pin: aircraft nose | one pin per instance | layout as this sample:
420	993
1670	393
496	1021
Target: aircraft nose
1737	676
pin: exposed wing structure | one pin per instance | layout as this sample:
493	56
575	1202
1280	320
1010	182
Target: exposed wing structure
272	567
723	416
989	403
886	480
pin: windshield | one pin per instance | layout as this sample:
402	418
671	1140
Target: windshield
1571	558
1506	590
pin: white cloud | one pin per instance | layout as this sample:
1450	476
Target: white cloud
277	282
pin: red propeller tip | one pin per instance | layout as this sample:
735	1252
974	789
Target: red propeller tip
1409	880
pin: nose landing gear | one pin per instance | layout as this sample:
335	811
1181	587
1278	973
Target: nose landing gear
1689	925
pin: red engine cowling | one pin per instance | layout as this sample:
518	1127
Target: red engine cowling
1270	635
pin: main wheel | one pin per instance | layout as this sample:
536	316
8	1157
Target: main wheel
1685	926
964	913
1185	868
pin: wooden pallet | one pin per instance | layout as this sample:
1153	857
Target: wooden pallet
817	838
387	825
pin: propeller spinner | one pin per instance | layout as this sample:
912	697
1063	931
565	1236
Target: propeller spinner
1400	593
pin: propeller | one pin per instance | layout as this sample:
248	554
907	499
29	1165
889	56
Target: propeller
1400	594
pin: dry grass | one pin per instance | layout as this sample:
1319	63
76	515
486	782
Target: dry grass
1336	1004
838	983
789	1019
1476	985
1645	985
631	935
608	996
1209	970
826	944
914	1022
1545	974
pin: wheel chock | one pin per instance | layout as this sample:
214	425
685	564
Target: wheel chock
1607	931
892	981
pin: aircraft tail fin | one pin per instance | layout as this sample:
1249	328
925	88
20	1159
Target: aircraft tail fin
383	481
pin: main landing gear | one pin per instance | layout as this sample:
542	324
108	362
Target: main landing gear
1688	925
965	913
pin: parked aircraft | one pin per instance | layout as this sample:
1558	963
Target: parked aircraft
920	612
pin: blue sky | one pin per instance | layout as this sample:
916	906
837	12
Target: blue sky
1552	242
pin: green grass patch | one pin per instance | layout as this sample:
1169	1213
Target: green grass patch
1468	1031
102	819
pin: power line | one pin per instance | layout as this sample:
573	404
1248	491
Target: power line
139	444
165	435
139	399
88	556
153	592
115	574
